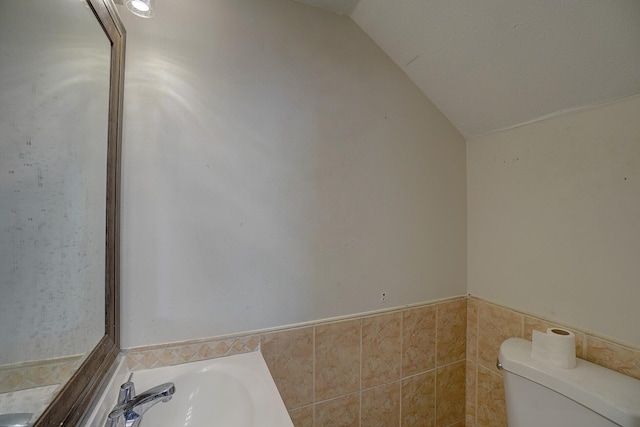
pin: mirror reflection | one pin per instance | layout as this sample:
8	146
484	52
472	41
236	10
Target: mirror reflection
54	103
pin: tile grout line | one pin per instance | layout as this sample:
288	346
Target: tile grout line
435	375
313	371
360	378
401	364
477	345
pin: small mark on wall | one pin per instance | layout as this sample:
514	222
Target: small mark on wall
515	159
411	61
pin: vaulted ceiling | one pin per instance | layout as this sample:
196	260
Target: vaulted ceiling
495	64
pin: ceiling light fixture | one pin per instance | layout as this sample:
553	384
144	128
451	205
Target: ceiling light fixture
141	8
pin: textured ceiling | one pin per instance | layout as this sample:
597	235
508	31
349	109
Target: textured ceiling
495	64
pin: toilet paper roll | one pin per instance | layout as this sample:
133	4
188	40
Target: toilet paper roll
556	346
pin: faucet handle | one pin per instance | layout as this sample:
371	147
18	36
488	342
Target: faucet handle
127	392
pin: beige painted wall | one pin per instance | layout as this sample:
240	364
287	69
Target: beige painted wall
278	167
554	218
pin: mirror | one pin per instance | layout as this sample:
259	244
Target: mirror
61	84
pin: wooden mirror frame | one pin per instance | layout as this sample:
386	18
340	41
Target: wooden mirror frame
73	400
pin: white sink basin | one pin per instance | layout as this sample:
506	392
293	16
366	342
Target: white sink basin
233	391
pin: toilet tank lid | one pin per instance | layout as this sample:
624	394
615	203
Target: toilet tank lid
611	394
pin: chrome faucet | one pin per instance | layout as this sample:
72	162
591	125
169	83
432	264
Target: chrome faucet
130	408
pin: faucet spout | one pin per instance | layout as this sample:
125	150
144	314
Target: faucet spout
145	400
129	412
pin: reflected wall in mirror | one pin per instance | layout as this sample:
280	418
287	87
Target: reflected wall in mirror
60	109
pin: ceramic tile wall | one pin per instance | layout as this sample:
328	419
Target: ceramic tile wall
409	367
488	325
400	368
162	355
38	373
404	367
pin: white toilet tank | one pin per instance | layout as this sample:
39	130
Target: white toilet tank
539	394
